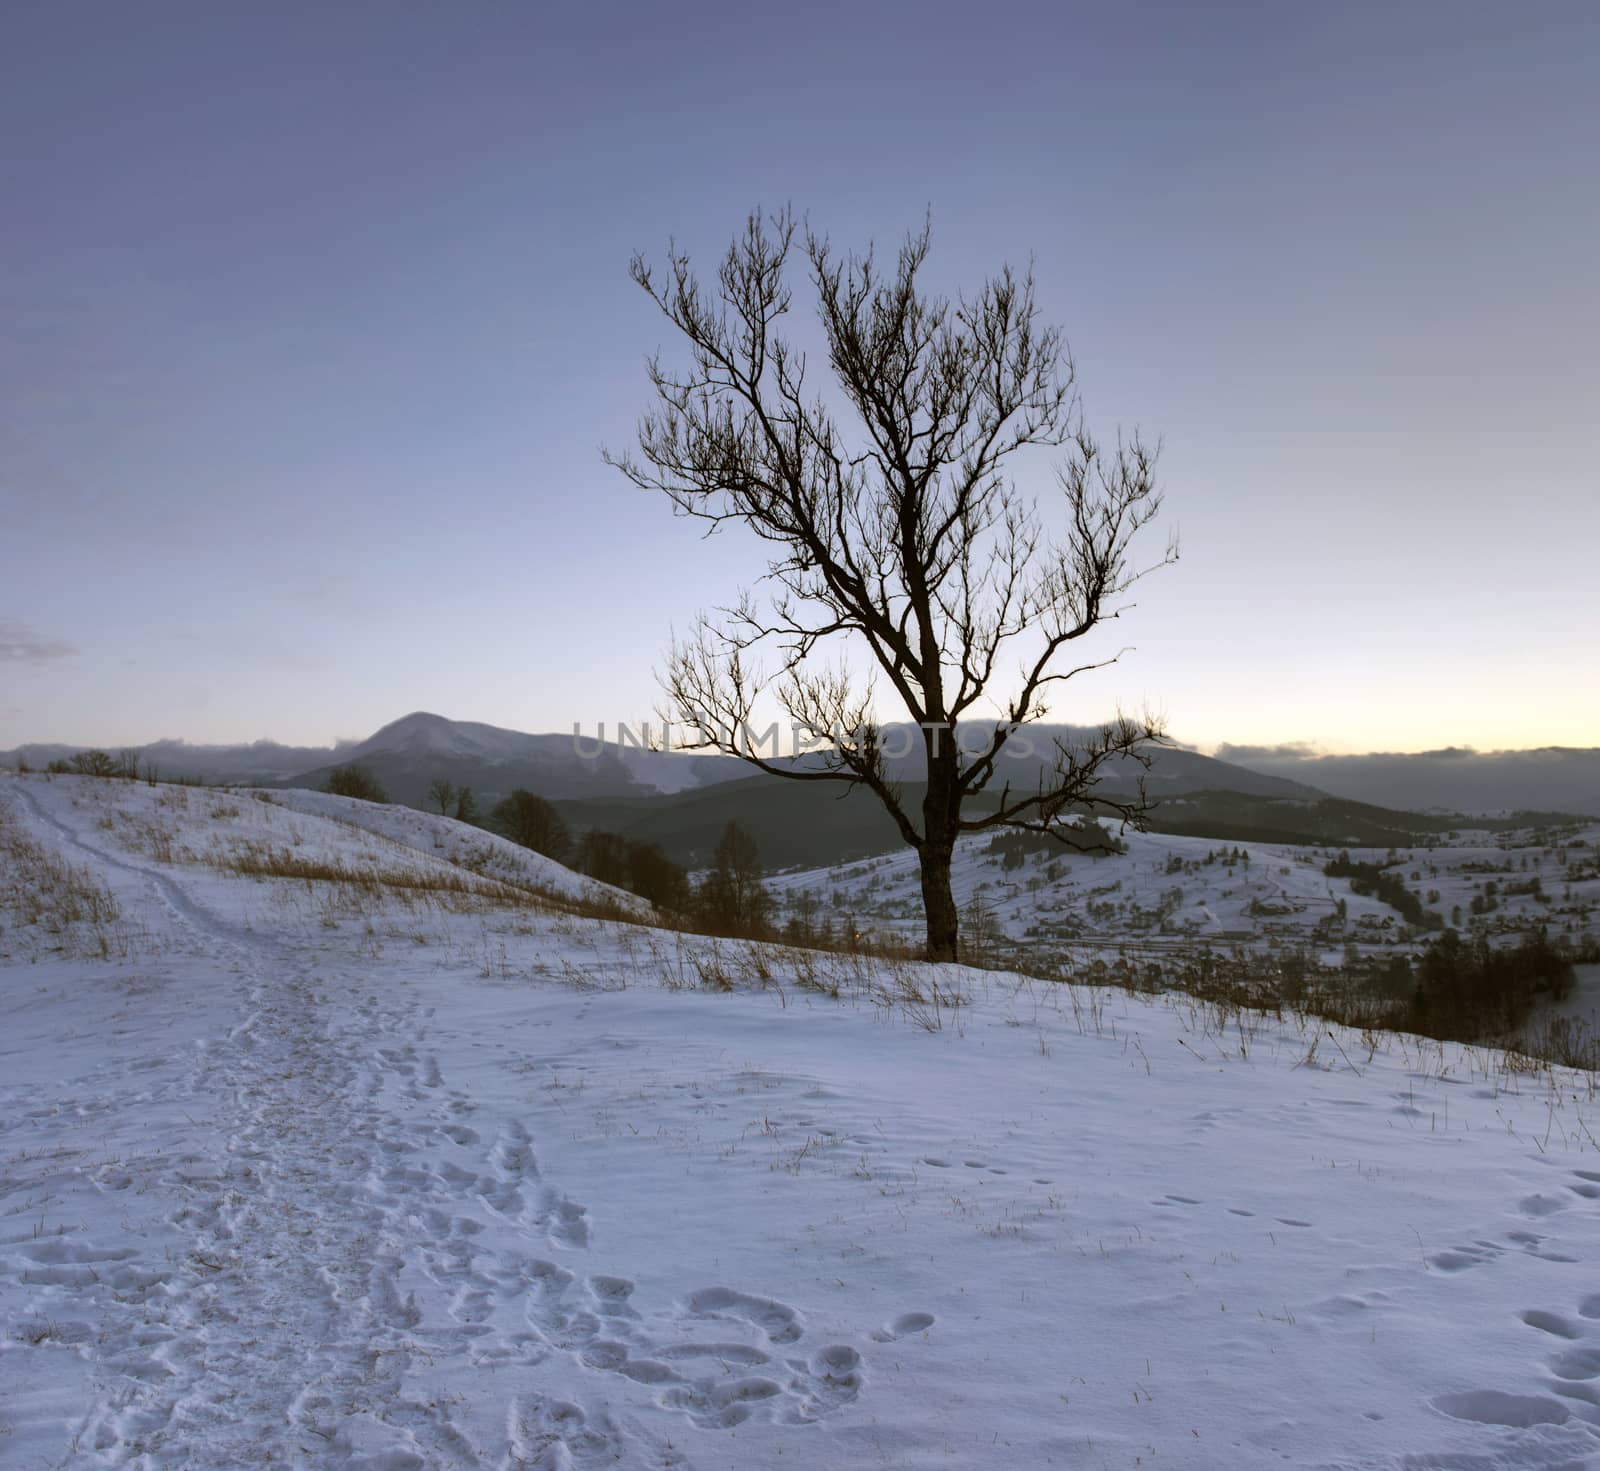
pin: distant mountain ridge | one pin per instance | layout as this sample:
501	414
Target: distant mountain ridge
411	753
253	761
1030	756
1549	778
408	755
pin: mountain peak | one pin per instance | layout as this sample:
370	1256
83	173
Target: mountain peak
422	733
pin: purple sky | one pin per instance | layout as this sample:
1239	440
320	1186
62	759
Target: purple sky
315	316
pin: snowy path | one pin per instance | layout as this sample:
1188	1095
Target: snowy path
345	1176
285	1312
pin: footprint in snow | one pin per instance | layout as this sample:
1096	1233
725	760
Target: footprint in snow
569	1223
778	1321
1496	1407
1578	1364
610	1296
905	1326
1551	1323
1459	1259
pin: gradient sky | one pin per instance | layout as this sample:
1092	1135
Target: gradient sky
315	315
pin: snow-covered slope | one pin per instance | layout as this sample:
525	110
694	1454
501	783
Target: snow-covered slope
1166	892
457	843
341	1175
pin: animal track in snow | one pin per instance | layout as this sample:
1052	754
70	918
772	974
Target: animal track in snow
1462	1258
1574	1366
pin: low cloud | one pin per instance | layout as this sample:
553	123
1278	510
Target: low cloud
1291	751
19	642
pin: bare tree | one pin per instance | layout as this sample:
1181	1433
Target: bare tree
442	793
732	894
907	537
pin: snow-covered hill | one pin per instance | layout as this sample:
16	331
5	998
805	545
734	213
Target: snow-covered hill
1166	892
317	1150
457	843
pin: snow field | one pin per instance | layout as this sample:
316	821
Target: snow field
377	1176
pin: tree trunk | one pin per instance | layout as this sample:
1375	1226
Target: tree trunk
941	822
939	903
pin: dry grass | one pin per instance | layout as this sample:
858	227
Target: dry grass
456	890
897	987
50	905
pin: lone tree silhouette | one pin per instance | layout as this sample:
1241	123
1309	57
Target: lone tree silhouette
906	536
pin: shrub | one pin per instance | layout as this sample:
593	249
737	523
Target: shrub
85	763
531	822
640	868
654	876
1468	990
604	856
355	781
